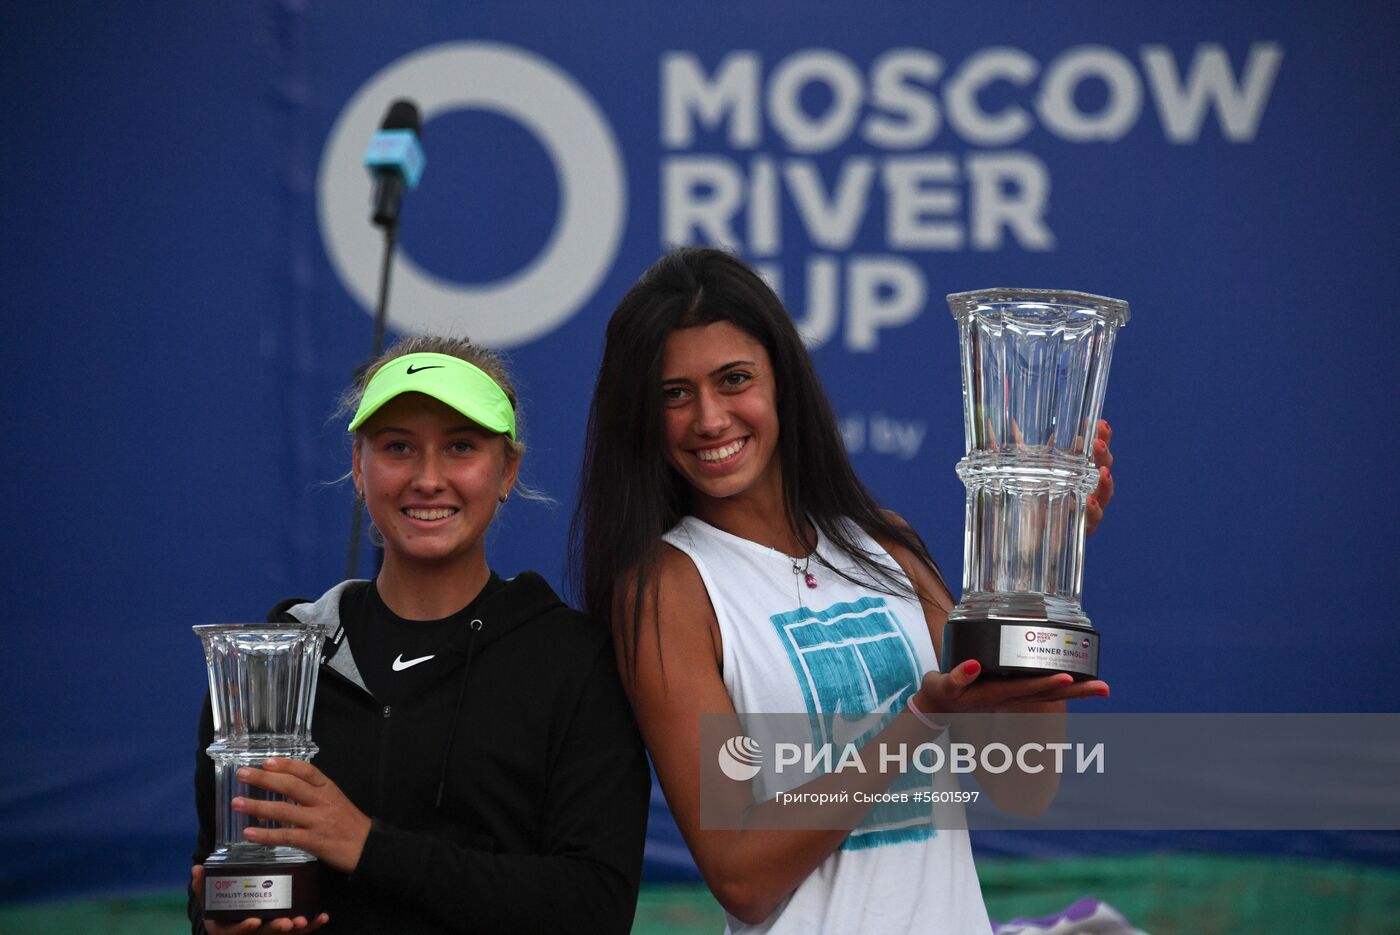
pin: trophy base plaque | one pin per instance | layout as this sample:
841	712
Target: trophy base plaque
1015	635
267	890
1008	648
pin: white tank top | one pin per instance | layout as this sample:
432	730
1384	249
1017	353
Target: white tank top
837	652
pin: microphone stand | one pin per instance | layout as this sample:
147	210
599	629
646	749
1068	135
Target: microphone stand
357	520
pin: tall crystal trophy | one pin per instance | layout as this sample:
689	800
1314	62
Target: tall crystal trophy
262	685
1034	370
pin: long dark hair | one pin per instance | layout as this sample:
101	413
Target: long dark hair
629	495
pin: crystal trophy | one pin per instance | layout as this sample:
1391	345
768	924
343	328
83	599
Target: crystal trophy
1034	370
262	685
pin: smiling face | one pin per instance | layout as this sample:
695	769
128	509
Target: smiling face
431	480
721	417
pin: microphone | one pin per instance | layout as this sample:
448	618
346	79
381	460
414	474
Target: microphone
394	159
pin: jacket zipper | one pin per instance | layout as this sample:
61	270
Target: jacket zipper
381	777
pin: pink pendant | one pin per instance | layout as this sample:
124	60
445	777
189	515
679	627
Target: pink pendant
811	579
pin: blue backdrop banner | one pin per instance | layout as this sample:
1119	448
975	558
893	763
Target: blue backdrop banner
190	276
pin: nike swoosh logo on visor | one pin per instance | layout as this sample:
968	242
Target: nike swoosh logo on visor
400	663
412	370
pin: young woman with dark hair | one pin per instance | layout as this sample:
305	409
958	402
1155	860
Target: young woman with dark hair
723	532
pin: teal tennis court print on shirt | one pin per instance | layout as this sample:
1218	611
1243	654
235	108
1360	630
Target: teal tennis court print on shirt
857	669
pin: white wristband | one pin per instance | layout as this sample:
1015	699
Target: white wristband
937	727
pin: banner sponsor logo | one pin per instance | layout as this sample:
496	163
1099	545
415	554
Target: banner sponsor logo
822	169
842	179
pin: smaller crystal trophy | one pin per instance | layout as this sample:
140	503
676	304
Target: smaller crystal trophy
262	685
1034	370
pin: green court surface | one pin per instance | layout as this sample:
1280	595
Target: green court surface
1162	894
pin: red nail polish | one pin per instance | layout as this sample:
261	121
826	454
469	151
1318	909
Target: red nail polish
972	667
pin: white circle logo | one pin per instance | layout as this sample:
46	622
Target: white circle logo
572	130
740	758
